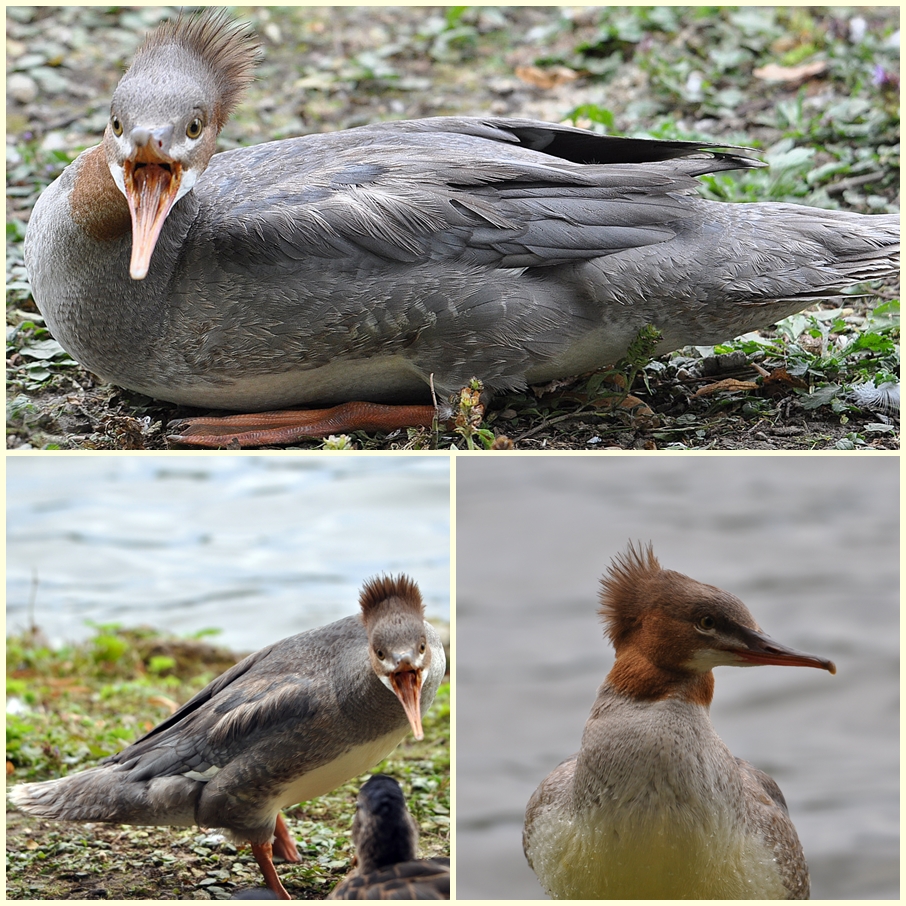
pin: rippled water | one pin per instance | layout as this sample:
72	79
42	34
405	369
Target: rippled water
811	544
260	547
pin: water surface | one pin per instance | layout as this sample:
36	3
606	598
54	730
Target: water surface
260	547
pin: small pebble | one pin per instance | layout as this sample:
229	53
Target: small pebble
21	88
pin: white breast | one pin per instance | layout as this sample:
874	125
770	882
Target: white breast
328	777
655	811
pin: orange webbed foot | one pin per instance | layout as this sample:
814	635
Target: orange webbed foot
288	425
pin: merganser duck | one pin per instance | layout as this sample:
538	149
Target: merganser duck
385	837
390	261
291	722
654	805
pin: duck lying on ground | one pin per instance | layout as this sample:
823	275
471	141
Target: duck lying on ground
370	266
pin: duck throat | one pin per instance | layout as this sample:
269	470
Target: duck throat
636	677
96	204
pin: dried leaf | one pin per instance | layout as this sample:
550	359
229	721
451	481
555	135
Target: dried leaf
729	385
781	375
546	78
790	74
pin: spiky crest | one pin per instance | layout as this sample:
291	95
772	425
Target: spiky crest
377	591
228	49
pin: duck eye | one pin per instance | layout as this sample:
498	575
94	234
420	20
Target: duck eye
193	130
116	124
706	623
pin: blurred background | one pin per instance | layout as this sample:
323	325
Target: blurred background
259	547
811	545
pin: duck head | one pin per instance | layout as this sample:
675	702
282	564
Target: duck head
166	114
383	831
669	631
394	618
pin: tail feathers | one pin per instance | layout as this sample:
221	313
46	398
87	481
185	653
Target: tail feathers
104	794
858	246
870	250
789	254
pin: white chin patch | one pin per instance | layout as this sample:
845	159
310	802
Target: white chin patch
189	178
119	178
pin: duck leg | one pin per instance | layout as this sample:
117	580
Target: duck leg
264	856
284	845
287	425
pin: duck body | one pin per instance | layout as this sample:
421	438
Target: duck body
419	879
212	763
654	805
372	262
288	723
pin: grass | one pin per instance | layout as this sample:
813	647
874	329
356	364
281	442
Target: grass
70	707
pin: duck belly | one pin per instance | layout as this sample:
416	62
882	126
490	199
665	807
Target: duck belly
596	855
328	777
244	803
379	379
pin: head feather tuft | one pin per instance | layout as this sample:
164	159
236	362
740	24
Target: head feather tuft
227	50
378	591
623	589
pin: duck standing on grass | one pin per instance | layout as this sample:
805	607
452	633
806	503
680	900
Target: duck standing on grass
289	723
654	805
385	837
369	266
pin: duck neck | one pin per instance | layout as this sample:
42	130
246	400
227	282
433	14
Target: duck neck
367	703
641	757
638	678
97	205
100	210
395	843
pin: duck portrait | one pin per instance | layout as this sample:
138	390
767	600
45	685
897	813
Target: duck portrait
654	805
361	279
289	723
